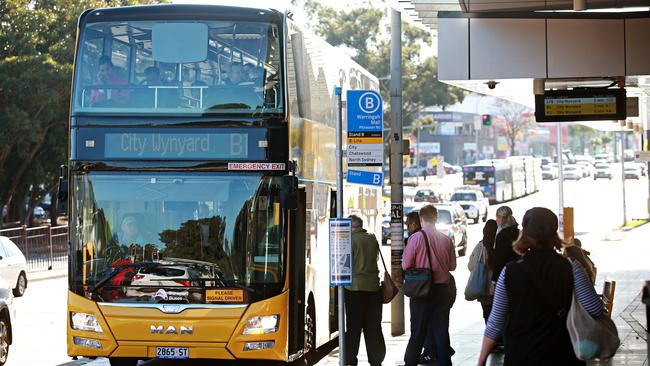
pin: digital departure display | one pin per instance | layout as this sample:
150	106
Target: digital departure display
172	144
176	145
580	105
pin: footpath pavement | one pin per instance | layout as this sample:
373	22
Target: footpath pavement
45	274
622	256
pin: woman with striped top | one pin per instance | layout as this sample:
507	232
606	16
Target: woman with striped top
534	294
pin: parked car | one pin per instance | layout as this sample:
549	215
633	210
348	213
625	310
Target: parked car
7	313
632	171
473	203
572	172
546	161
13	266
549	172
426	195
587	167
453	223
602	170
452	169
414	171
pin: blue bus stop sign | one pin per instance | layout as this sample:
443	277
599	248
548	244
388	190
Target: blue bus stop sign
365	111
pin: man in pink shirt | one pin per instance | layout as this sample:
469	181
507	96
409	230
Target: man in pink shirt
432	312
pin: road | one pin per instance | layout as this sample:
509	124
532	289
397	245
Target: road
39	329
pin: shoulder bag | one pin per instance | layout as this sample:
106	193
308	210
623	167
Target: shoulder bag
418	281
388	288
477	285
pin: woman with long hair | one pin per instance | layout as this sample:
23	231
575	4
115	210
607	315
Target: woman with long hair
534	293
485	249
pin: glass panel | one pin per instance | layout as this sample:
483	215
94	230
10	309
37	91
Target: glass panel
139	234
241	73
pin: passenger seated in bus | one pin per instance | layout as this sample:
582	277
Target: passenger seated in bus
235	75
106	76
152	76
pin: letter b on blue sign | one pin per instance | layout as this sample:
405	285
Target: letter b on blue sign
376	179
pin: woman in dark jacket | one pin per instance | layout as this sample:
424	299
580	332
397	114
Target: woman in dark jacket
507	233
534	293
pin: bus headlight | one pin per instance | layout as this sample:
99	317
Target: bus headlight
262	324
85	322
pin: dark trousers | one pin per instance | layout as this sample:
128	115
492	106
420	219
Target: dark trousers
431	313
363	313
486	304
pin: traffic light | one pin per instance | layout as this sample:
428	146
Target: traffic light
487	120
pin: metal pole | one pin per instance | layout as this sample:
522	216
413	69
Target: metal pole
623	175
339	213
396	172
417	156
560	168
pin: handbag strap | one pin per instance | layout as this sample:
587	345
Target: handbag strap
382	259
426	241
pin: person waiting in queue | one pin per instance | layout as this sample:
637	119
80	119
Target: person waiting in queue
363	300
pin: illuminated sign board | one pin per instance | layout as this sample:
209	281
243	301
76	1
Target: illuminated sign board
172	144
580	105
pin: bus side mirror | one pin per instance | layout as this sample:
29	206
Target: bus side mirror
289	192
62	193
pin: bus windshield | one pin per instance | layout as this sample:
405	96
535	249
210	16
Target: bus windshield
170	237
178	67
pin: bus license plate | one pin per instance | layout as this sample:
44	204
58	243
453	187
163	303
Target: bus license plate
172	352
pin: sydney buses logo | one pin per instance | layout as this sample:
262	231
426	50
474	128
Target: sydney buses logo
159	329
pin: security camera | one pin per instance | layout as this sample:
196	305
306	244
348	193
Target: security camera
491	84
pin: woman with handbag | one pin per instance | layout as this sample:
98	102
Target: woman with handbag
427	260
535	294
482	256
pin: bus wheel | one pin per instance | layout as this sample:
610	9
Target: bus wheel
121	361
310	335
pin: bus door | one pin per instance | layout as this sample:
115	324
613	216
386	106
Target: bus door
297	262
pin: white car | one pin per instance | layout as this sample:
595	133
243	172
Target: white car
632	171
587	167
573	172
163	276
603	170
549	172
13	266
473	203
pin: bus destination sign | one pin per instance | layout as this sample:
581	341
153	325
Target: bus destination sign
173	144
580	105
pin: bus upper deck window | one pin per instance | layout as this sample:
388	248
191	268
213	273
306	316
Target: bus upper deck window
180	42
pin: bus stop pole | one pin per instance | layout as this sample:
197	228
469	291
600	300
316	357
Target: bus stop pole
396	172
339	214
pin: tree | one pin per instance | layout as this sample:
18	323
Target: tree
361	31
605	141
36	54
517	119
582	133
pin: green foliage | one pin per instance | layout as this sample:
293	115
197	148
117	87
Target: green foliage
364	31
36	54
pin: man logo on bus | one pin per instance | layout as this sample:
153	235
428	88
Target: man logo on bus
170	330
369	102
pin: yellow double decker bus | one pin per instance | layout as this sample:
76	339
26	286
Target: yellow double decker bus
201	176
